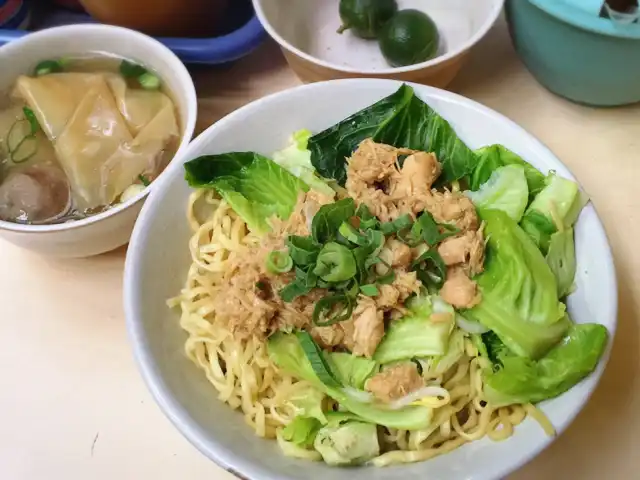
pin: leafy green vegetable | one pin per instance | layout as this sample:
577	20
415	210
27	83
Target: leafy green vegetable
519	292
521	380
561	258
254	186
302	431
401	120
505	190
307	402
438	365
347	443
296	158
290	449
416	335
352	370
494	348
326	222
495	156
285	351
316	359
555	208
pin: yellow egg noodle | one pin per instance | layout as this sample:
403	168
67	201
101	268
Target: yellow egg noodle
246	379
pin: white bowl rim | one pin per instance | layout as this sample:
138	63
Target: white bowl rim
184	79
179	416
257	5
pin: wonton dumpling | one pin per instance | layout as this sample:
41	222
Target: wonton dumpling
54	98
93	133
140	155
138	107
39	150
104	134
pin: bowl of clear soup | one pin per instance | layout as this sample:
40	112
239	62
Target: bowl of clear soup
90	118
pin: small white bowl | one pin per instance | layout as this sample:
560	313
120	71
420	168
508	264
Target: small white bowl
158	260
306	31
112	228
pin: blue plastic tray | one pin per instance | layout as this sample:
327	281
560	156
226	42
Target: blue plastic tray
243	33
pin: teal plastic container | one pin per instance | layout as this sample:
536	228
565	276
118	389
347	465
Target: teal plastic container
575	53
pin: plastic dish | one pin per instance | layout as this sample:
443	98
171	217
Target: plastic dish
575	53
243	33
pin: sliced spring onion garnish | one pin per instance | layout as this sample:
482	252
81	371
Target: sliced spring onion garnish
350	233
48	66
34	126
332	309
149	81
369	290
144	180
131	70
400	223
316	359
335	263
430	268
279	262
15	150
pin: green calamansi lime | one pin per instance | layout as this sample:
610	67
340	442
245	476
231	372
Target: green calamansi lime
410	37
365	18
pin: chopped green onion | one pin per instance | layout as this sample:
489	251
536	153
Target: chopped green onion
14	148
327	305
131	70
335	263
370	290
367	219
144	180
279	262
46	67
303	250
387	278
149	81
316	358
34	126
430	268
348	232
431	232
293	290
400	223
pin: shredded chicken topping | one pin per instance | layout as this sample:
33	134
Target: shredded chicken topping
248	298
395	382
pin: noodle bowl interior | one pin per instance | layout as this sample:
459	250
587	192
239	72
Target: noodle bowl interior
80	135
348	319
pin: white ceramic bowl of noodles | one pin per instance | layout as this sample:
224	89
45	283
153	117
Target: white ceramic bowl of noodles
112	228
159	258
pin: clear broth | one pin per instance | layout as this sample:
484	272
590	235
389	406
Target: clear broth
33	174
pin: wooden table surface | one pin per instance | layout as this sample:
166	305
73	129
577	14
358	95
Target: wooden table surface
73	406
